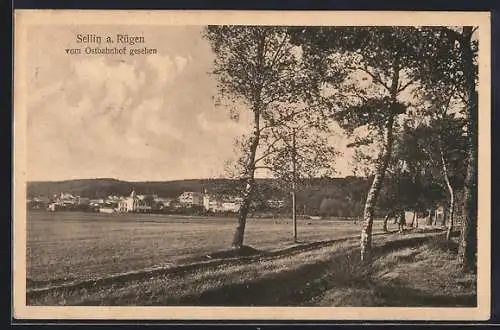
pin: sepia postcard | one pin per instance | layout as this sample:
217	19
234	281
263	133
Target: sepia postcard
251	165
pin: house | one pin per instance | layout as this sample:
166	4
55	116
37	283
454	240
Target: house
113	198
133	203
175	204
67	203
129	203
66	196
144	204
107	210
163	202
211	203
84	201
221	204
231	206
67	199
191	198
275	203
440	214
38	202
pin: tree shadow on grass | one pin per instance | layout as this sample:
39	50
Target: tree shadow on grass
444	245
288	288
401	295
244	251
394	245
248	253
343	270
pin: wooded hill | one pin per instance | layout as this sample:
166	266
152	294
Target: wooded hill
322	196
338	191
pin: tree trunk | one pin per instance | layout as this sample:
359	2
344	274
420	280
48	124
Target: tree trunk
384	228
373	193
452	195
468	238
451	212
430	218
445	216
382	162
294	196
249	179
413	219
249	170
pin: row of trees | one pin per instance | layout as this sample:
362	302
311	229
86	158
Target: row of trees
405	95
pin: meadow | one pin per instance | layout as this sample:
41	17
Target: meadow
69	246
102	259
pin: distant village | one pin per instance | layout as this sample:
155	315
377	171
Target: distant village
187	202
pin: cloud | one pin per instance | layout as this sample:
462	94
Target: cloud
180	63
97	71
219	124
110	85
141	118
146	116
167	68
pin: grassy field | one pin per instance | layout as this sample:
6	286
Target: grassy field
94	259
70	246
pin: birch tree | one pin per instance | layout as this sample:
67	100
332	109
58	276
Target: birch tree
431	153
257	70
444	144
451	60
380	62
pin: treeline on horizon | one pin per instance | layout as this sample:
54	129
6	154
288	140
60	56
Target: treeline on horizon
341	197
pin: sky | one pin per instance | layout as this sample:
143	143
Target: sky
136	118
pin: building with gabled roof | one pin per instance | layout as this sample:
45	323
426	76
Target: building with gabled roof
191	198
133	203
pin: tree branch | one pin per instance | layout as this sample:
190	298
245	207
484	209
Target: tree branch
376	78
402	88
275	57
269	168
280	77
447	104
284	119
462	97
268	150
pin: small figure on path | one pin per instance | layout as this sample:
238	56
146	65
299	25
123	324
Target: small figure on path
390	214
401	220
